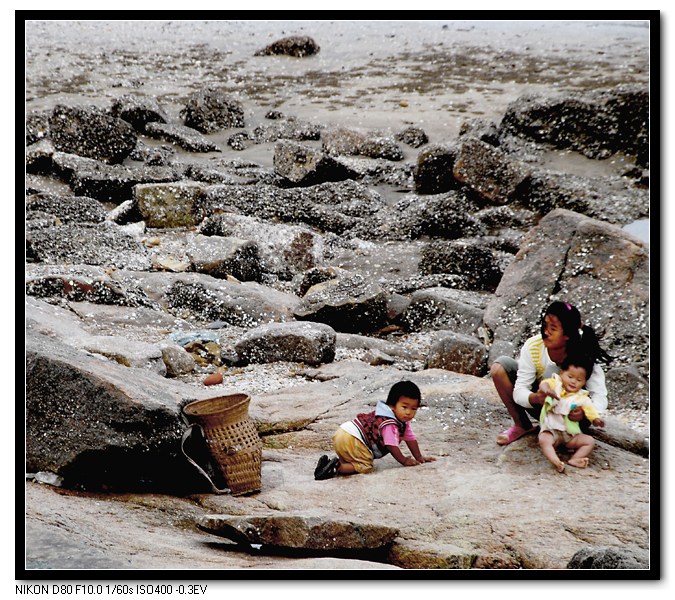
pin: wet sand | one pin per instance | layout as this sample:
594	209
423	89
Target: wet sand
368	74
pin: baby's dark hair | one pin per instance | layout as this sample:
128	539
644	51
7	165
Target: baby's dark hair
404	388
582	339
578	360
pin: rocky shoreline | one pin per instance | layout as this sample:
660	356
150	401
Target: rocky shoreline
161	268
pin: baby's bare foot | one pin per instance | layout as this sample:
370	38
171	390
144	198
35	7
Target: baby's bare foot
580	463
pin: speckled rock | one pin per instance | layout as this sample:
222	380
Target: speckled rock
300	531
310	343
349	303
212	109
224	256
104	244
459	353
171	204
489	171
91	133
187	138
294	45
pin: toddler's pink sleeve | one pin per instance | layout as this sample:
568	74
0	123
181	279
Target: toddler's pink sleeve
408	434
390	435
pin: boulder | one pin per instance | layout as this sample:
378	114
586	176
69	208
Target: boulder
611	198
100	425
284	250
505	217
609	558
310	343
138	111
412	136
37	126
208	174
313	205
444	308
222	257
347	197
597	124
104	244
197	296
178	204
374	171
153	156
304	165
297	46
39	158
340	140
239	141
111	183
289	128
628	384
417	554
67	209
348	303
446	215
458	352
598	267
83	283
481	129
317	275
211	110
127	352
139	322
188	138
91	133
434	171
299	531
377	346
489	172
477	265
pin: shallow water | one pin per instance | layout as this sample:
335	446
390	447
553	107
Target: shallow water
446	71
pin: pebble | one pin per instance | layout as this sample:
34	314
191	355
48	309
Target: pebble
213	379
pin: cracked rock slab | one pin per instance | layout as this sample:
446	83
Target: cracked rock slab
312	533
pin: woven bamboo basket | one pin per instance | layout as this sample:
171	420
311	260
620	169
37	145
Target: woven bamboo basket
231	438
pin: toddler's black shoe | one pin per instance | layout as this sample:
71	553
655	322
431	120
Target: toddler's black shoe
326	470
323	461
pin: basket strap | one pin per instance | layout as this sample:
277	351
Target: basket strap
186	434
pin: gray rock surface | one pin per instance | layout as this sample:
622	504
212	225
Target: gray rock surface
448	527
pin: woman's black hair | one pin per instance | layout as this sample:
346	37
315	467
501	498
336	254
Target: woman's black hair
582	339
403	388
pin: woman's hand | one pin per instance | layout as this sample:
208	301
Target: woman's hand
576	414
537	398
547	390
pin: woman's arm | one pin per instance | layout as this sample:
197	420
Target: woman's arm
527	375
597	389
